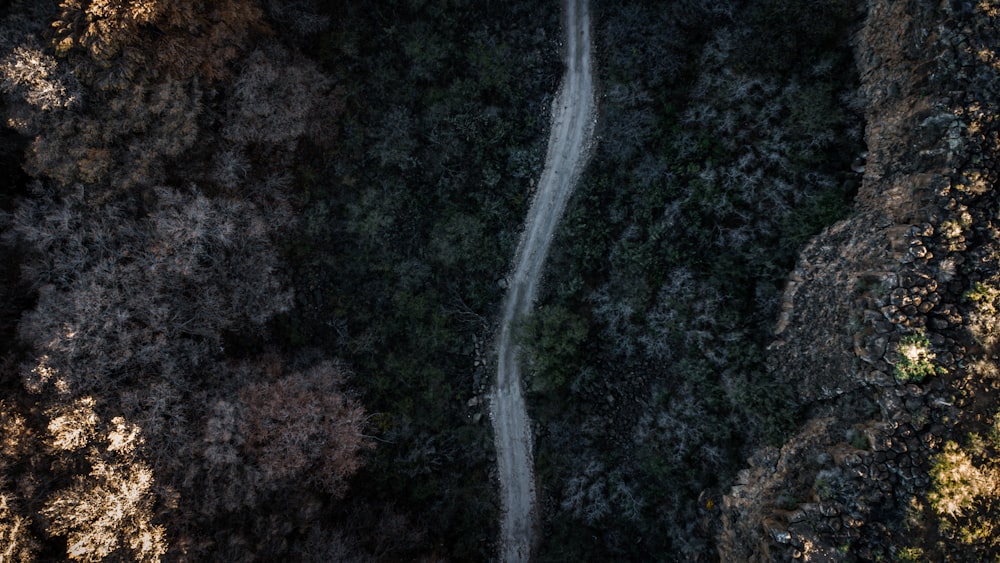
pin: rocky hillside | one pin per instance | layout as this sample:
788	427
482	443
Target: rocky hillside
888	326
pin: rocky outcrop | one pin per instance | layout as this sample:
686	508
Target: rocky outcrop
920	236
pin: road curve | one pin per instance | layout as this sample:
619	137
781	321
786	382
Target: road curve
570	138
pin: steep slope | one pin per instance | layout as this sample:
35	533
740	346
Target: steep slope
878	331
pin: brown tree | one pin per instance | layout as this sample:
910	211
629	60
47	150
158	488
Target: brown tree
303	426
181	37
120	144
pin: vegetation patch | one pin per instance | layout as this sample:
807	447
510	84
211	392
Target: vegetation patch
965	492
915	359
713	166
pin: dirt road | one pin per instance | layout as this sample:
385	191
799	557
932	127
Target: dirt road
573	117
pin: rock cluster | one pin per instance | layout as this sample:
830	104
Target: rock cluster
922	235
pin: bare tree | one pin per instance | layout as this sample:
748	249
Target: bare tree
303	426
120	296
107	512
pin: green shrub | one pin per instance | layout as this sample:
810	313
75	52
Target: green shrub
984	296
857	440
554	337
915	359
910	554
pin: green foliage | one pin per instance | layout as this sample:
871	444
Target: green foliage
823	487
983	295
412	219
787	502
910	555
857	440
965	495
785	34
715	165
770	408
915	360
713	168
984	318
826	208
554	338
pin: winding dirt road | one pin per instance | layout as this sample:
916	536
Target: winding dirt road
573	117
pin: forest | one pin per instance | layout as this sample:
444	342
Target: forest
255	253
